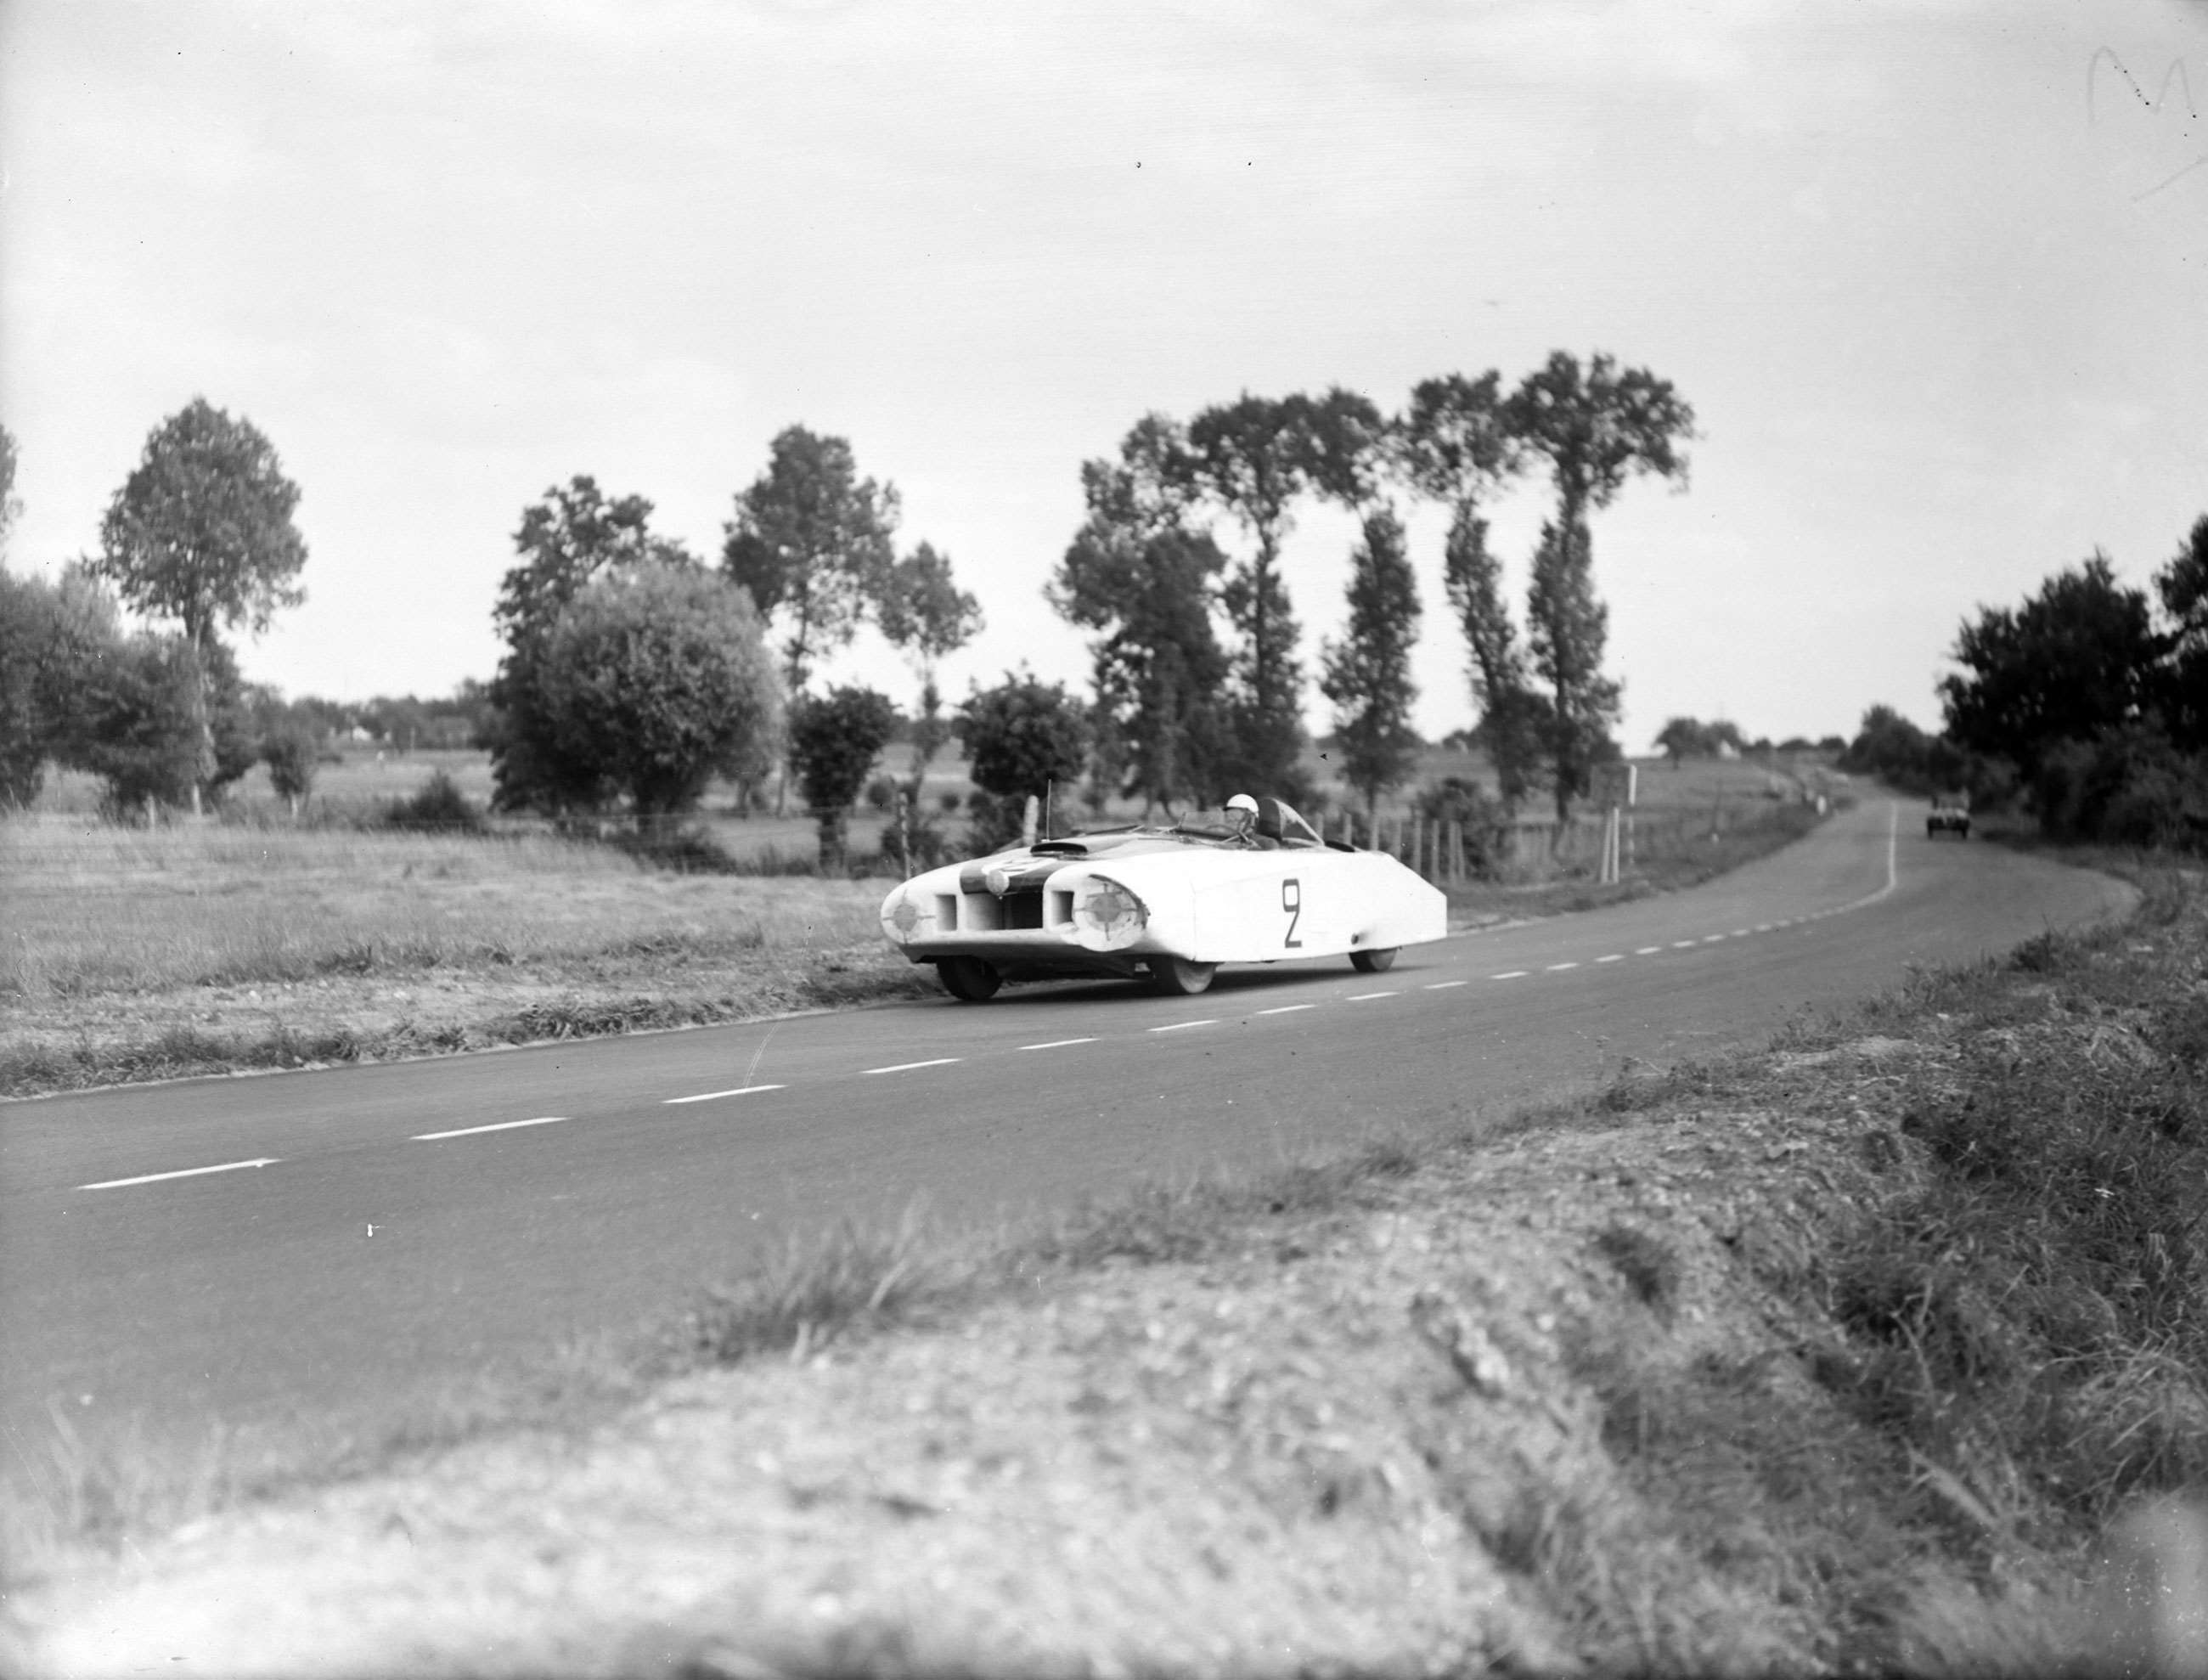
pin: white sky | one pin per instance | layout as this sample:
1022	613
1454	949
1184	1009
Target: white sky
1934	277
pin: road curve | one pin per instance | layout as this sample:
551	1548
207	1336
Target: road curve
341	1245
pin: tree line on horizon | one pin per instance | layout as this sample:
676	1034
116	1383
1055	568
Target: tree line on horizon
633	672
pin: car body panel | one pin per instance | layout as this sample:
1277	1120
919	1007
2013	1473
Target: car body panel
1107	902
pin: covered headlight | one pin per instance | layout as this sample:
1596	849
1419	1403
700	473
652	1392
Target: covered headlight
1109	913
902	914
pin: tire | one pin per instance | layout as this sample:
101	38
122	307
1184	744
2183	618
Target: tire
1931	830
1374	962
969	979
1177	977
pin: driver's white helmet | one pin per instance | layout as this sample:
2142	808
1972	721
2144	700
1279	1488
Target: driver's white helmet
1242	803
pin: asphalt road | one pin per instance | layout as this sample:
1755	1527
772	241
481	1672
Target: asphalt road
341	1245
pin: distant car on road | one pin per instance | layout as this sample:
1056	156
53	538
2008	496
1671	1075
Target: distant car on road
1169	903
1950	815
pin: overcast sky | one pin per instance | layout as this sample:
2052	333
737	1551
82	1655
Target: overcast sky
1933	276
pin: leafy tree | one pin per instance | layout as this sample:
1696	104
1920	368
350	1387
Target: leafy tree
1894	750
925	614
1595	428
811	541
1454	444
2080	656
1140	577
2183	586
1023	737
202	532
574	535
52	638
834	741
655	678
1254	457
1684	738
1690	738
153	713
11	506
1351	447
1367	674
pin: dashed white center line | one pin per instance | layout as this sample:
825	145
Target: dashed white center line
1509	974
907	1067
185	1173
471	1130
1444	985
1740	933
715	1096
1648	950
1183	1026
1288	1009
1367	997
1558	968
1712	938
1614	957
1058	1044
1763	928
1682	945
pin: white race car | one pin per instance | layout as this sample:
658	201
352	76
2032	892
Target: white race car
1173	902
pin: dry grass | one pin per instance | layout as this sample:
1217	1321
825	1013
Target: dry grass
145	952
94	909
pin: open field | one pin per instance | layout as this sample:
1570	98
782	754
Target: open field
1848	1354
256	941
130	952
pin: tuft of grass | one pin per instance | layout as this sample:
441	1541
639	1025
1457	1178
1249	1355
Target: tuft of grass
814	1291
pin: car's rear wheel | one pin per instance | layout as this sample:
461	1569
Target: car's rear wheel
1373	962
1177	977
969	979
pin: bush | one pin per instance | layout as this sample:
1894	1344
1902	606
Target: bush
881	792
930	845
2128	787
1023	737
291	759
1457	799
437	807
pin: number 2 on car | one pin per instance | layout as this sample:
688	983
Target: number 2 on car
1291	902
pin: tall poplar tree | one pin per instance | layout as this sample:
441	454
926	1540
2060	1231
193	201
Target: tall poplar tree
1253	457
1594	428
1367	674
1454	446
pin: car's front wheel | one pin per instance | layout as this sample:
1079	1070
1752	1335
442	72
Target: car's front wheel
1373	962
1177	977
969	979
